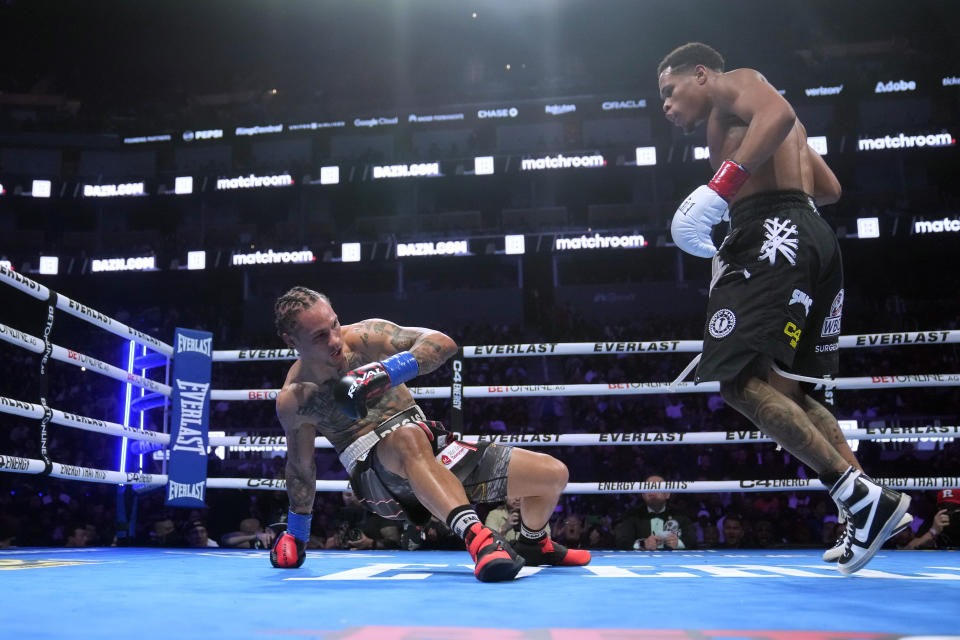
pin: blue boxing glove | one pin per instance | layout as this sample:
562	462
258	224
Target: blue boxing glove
705	208
356	388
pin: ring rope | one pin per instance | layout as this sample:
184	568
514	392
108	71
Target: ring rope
858	341
946	432
30	410
617	388
36	345
94	317
68	472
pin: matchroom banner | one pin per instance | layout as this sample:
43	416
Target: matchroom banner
192	359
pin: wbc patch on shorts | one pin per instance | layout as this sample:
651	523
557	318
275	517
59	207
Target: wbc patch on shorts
831	324
453	453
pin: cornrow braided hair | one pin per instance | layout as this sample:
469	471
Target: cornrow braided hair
287	306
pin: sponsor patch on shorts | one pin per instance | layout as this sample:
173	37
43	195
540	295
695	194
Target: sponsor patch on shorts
453	453
831	325
722	323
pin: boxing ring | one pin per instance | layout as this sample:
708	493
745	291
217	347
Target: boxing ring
336	594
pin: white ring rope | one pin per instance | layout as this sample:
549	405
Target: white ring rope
83	312
16	464
865	340
34	344
617	388
278	442
29	410
68	472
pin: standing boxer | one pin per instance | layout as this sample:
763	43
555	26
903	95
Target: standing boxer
348	384
776	295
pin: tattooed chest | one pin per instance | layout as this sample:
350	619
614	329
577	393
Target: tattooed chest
341	430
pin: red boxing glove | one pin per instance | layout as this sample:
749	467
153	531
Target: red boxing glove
728	179
288	552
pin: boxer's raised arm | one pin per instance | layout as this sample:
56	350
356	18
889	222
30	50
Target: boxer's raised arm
769	117
826	187
383	338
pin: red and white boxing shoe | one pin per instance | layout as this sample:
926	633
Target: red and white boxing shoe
496	561
546	551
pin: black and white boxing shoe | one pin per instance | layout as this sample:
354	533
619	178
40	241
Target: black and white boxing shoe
873	513
833	553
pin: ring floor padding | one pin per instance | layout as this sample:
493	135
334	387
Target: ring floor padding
186	593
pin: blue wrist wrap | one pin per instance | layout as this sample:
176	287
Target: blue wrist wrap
298	525
401	367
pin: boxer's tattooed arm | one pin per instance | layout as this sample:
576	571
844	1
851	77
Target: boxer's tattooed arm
430	348
301	471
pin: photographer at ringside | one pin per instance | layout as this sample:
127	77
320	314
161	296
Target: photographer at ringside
943	530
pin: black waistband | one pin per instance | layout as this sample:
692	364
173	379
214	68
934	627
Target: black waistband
391	423
767	202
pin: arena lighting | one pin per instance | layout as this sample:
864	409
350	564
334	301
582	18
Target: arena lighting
818	144
903	141
330	175
561	161
443	248
208	134
258	130
369	123
1	190
823	91
40	189
868	227
220	452
420	169
196	260
895	86
316	125
49	265
113	190
140	263
483	165
142	139
514	245
273	257
647	156
936	226
183	185
350	252
127	399
6	264
596	241
253	181
143	392
949	81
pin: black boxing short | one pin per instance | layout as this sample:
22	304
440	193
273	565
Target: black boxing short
777	290
480	467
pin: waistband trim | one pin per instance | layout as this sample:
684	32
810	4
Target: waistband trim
362	445
759	203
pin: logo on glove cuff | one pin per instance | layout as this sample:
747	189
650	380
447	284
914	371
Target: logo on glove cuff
722	323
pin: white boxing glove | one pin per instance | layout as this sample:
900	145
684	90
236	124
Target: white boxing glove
694	220
705	208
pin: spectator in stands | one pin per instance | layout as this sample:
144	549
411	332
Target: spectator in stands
734	535
78	536
251	535
943	530
654	525
195	534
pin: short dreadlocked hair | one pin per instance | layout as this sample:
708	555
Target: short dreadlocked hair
690	55
287	306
